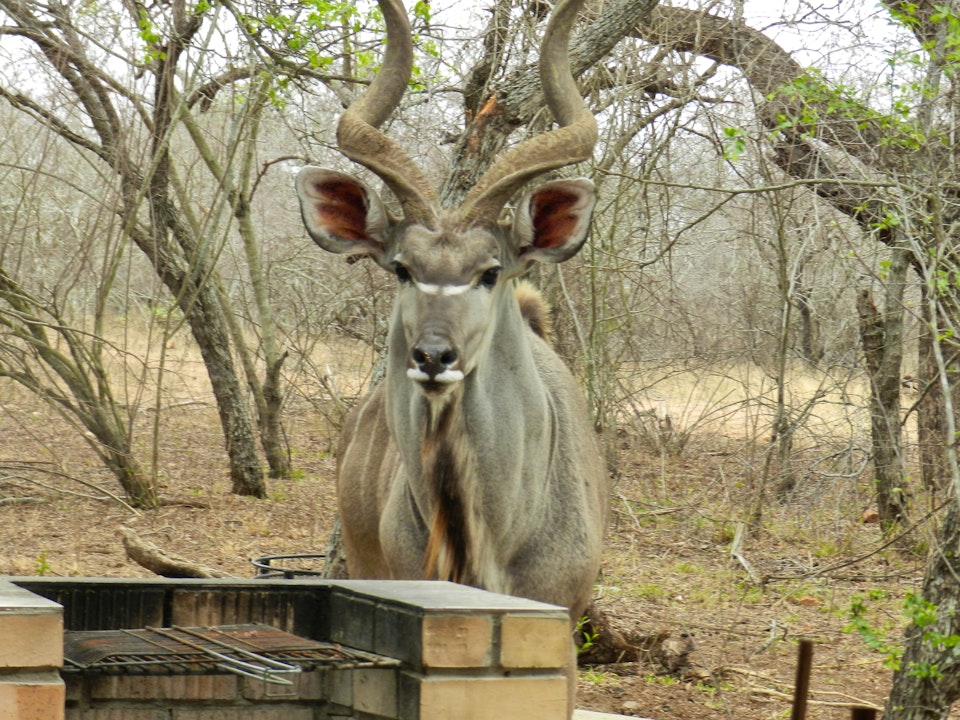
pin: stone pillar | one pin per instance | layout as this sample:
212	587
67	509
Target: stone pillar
467	654
31	653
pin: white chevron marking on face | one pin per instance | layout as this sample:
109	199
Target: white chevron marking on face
432	289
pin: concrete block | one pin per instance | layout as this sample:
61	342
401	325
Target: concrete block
123	713
457	641
340	687
273	712
531	698
530	641
31	627
32	696
352	621
375	692
399	633
433	595
164	687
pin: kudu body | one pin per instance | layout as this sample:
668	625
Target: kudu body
475	460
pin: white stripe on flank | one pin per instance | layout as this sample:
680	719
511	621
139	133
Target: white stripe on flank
432	289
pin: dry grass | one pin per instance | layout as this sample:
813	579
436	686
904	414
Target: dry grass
740	401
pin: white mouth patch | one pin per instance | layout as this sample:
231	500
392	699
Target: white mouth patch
432	289
447	377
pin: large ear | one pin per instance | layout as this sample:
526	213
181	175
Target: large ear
341	213
552	221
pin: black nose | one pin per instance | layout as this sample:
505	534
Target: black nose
433	359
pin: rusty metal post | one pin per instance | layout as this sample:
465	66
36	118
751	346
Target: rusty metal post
802	684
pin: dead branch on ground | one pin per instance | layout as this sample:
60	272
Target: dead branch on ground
149	556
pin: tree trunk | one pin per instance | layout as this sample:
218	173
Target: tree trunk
269	392
113	446
810	344
213	339
928	682
931	422
149	556
237	187
196	290
882	338
267	395
335	567
271	427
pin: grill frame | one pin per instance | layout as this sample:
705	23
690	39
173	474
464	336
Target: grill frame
253	650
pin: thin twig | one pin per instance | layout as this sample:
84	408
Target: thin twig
849	700
851	703
736	552
34	467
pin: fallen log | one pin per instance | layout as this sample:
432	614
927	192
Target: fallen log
149	556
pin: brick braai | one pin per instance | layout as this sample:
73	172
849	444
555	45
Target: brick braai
462	653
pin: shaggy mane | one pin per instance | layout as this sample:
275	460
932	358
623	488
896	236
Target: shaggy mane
535	309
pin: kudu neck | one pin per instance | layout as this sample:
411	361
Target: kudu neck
465	453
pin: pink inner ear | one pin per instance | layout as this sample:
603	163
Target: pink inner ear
553	221
341	209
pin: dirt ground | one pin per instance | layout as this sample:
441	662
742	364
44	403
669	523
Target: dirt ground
667	566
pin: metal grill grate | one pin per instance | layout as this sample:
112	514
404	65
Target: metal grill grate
254	650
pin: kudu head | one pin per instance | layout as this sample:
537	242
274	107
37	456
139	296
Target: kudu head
453	265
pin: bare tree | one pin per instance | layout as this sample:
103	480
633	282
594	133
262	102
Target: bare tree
149	204
895	177
61	365
139	108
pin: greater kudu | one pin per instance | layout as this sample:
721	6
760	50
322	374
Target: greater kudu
475	460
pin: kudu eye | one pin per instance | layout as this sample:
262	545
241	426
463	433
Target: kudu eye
489	277
403	275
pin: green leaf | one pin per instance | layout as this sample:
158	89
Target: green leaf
735	145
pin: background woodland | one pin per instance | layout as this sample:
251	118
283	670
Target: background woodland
765	317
